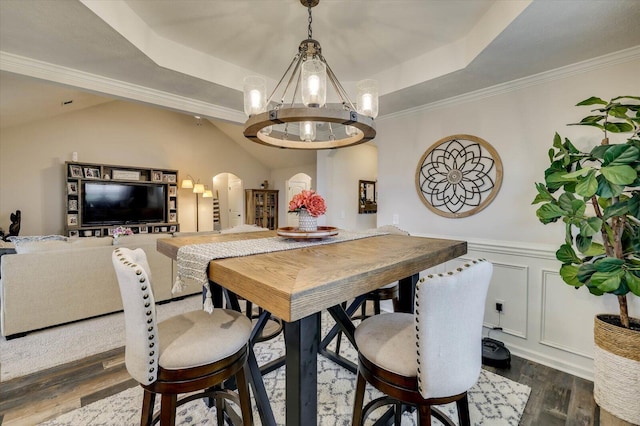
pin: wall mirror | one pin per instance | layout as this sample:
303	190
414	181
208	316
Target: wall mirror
367	197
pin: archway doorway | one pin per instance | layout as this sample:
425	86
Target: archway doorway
228	189
295	184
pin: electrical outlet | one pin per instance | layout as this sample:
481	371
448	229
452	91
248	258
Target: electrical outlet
499	305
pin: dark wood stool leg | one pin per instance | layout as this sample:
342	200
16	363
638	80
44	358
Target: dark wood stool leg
168	404
148	399
245	398
358	402
463	411
220	410
424	415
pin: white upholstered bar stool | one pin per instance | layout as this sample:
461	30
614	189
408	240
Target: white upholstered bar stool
429	358
194	351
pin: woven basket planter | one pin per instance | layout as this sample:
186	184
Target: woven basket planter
616	362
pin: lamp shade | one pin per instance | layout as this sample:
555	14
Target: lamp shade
186	184
207	193
198	188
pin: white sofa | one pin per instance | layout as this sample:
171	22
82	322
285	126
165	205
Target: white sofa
48	283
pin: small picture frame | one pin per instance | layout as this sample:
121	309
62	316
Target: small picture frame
143	230
91	173
97	233
73	204
172	228
173	191
171	178
156	176
74	234
72	188
173	217
75	171
72	219
172	204
156	229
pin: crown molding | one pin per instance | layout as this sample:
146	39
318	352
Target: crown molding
619	57
115	88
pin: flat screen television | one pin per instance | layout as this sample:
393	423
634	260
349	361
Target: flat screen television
115	203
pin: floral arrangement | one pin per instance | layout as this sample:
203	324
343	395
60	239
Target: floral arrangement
121	230
309	200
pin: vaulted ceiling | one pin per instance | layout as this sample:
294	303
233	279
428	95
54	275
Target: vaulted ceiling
192	55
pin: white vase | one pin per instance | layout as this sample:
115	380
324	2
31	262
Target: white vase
306	222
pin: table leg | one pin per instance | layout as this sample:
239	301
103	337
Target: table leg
302	339
407	293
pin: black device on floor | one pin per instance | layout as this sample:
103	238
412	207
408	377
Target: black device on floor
495	354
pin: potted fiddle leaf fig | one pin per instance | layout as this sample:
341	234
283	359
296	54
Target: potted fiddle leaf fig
596	194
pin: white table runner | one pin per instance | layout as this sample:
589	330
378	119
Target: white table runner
193	260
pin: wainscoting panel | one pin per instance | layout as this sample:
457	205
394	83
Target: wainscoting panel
555	315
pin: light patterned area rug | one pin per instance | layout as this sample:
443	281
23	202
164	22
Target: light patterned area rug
494	400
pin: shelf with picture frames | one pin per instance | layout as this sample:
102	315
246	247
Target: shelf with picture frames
102	197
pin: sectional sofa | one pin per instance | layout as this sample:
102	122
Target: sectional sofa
53	282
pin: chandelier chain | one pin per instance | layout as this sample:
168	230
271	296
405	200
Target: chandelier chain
310	31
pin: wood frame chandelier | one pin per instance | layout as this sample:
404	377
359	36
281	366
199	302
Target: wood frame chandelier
305	120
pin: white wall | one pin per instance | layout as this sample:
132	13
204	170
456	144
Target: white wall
121	133
544	319
339	172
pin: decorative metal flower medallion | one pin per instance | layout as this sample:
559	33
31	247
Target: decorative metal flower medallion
458	176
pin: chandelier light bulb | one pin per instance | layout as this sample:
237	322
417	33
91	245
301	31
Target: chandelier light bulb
314	83
367	99
307	131
255	95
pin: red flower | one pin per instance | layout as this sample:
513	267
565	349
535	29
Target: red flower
309	200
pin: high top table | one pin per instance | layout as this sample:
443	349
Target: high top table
296	285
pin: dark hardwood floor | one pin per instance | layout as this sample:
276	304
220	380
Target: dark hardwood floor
556	398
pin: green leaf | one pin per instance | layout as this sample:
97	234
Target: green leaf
599	150
543	194
569	275
577	173
583	243
585	271
619	175
566	254
592	119
634	205
549	212
619	155
596	249
618	209
592	101
607	281
633	282
618	127
555	180
607	189
608	264
587	186
590	227
578	208
565	201
557	141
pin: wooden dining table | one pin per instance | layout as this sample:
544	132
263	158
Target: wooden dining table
297	285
